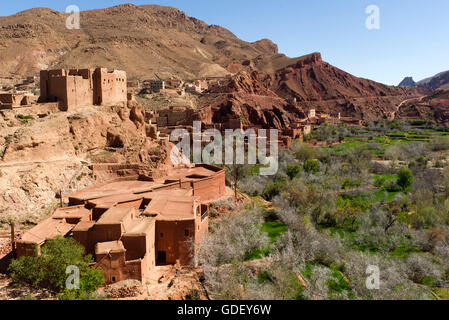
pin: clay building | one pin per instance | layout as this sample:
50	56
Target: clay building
293	133
156	85
197	87
16	100
174	83
134	223
311	113
60	223
214	85
201	85
82	87
174	116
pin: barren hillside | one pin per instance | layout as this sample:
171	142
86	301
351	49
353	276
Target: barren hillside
43	152
144	40
277	99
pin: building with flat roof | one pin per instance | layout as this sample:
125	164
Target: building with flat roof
134	223
156	85
83	87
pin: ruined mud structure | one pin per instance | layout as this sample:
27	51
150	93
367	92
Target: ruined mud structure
15	100
131	224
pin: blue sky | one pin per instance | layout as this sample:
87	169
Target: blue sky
412	39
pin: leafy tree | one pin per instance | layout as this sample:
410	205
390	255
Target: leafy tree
272	190
311	166
405	178
350	184
49	269
293	171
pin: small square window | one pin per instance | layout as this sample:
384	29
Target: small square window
162	235
186	232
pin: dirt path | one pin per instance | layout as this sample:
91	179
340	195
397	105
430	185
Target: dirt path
30	163
417	99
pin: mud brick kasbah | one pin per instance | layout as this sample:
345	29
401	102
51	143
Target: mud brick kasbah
83	87
132	224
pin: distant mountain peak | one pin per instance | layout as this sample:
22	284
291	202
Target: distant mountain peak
267	46
408	82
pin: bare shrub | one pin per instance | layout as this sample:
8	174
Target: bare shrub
428	240
232	239
317	287
380	168
286	157
359	160
394	284
281	284
371	234
303	152
253	185
439	144
420	266
307	245
225	283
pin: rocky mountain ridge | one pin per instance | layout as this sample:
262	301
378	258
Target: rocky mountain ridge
146	41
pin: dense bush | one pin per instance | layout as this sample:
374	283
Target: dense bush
272	190
293	171
405	178
49	269
311	166
350	183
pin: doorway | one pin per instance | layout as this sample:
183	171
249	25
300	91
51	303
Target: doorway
161	258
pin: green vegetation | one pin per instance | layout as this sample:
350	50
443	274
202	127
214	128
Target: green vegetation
274	229
405	178
311	166
293	171
22	117
376	195
49	269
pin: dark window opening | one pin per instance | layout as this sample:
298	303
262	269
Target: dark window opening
162	235
186	232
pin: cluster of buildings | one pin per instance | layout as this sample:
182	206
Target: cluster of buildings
132	224
174	118
196	86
